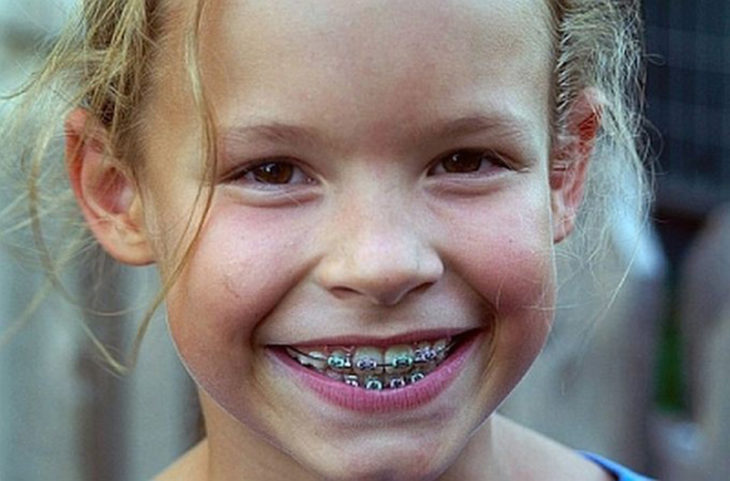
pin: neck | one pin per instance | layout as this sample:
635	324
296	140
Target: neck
480	459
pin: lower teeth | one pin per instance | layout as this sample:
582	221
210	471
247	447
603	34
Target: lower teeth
409	367
374	384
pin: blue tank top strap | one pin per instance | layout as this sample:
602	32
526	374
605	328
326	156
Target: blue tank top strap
622	473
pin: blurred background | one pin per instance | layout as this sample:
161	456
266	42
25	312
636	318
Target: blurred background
644	382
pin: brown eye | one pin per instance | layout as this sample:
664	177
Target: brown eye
463	161
468	161
270	174
273	173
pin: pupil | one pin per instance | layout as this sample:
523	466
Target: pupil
274	173
463	162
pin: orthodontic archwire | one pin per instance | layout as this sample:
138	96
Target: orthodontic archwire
338	361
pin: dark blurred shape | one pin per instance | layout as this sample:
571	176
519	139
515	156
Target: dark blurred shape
704	293
688	101
693	446
688	104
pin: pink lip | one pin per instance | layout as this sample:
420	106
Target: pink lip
358	399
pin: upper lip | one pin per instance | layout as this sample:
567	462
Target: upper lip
362	340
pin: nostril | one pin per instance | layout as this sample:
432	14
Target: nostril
383	294
343	292
380	266
423	287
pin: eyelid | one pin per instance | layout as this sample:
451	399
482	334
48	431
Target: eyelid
239	171
500	160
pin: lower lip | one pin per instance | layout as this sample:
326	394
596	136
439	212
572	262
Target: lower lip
370	401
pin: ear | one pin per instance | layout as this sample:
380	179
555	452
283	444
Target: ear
106	193
569	161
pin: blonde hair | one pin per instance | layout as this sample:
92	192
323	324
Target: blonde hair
103	62
598	44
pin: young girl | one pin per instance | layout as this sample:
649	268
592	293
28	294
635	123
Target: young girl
354	208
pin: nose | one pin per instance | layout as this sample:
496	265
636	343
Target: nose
375	251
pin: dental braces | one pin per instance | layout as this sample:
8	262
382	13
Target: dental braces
340	361
377	384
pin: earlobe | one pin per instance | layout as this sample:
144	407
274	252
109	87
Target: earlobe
105	192
570	159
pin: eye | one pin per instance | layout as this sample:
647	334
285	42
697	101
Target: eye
467	161
271	172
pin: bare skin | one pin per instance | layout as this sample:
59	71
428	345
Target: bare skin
377	228
519	444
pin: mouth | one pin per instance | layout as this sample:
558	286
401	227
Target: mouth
378	367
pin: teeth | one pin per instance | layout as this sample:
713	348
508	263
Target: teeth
416	376
339	360
440	347
424	357
296	355
396	382
373	368
332	374
374	384
424	353
352	380
367	360
399	359
311	358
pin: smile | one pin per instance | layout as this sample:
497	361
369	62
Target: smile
387	378
376	368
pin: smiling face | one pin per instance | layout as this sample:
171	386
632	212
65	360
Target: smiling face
383	180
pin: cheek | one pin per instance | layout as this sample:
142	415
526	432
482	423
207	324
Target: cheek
240	270
507	257
505	246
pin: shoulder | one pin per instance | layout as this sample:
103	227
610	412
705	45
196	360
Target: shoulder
548	459
189	467
621	473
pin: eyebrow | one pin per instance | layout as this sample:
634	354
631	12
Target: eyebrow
502	125
273	132
300	135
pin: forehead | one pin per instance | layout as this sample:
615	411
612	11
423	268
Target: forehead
374	35
373	59
381	20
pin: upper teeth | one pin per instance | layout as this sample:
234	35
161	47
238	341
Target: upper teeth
370	360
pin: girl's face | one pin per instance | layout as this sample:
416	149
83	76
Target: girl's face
382	183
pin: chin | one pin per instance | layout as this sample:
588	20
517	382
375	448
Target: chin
379	459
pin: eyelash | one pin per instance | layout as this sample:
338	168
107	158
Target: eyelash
286	169
493	159
283	167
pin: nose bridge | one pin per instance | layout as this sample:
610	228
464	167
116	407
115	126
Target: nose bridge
377	250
